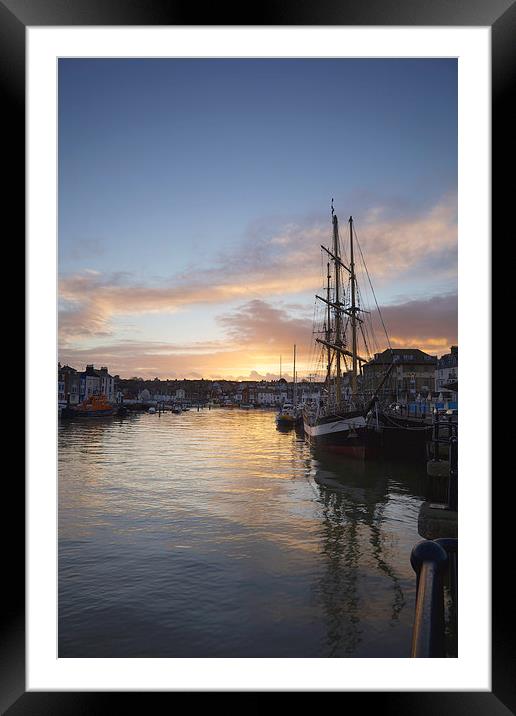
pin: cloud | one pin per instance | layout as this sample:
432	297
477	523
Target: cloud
258	323
266	273
278	264
257	333
417	244
430	324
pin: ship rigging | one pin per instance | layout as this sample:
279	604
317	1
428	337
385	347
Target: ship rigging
339	420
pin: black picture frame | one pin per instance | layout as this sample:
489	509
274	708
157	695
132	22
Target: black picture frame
15	16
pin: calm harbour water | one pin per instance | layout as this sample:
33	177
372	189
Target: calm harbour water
213	534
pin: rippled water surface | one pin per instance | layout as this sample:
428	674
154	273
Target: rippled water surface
211	533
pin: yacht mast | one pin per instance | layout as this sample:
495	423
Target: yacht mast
353	311
295	383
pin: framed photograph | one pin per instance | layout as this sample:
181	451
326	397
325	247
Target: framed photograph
253	248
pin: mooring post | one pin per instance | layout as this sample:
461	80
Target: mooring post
452	480
450	544
428	560
436	434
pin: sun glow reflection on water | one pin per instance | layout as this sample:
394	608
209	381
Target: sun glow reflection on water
211	533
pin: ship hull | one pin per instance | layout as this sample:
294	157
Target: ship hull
402	435
286	422
342	434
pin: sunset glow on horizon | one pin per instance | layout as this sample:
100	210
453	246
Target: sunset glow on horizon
194	196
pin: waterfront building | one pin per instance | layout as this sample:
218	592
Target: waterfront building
308	392
413	374
272	395
68	385
250	394
107	384
447	372
96	382
60	385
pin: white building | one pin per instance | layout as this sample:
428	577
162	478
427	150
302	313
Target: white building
96	382
308	393
271	396
447	370
107	384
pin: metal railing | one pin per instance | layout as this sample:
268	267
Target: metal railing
445	433
434	561
453	478
443	430
451	581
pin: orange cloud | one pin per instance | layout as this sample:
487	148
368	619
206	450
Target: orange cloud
257	333
268	267
427	242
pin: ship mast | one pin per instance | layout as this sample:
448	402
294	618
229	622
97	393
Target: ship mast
353	310
338	341
328	328
336	346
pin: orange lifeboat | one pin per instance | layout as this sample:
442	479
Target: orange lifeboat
96	406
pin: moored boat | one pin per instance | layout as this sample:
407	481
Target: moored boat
339	419
287	415
96	406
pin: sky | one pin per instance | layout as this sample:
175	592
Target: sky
194	196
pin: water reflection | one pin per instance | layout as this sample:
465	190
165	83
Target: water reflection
354	496
215	534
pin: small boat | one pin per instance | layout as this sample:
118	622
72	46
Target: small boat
287	416
97	406
290	415
176	409
151	410
66	411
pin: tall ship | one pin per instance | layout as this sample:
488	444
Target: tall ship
341	419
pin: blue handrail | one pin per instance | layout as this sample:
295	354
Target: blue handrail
429	561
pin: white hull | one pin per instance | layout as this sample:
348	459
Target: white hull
339	426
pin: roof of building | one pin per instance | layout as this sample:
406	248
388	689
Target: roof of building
450	360
91	371
402	355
